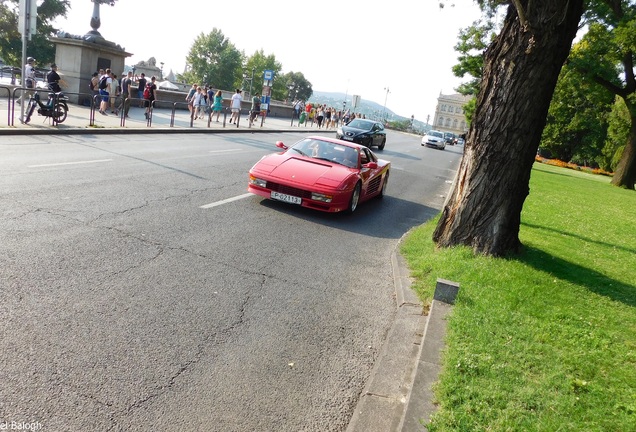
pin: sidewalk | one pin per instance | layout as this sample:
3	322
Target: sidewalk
398	395
78	121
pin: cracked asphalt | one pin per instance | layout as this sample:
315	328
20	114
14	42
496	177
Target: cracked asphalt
127	307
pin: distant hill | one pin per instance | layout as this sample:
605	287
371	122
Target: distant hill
370	109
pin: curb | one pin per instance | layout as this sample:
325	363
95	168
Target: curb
399	394
127	131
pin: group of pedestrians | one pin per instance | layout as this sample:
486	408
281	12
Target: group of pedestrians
204	101
236	104
322	115
113	95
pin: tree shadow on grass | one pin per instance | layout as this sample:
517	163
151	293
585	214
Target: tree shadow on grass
585	239
591	279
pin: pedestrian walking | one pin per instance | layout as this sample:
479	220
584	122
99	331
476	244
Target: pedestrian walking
190	98
29	78
126	93
236	106
115	90
255	109
93	87
141	88
218	104
104	90
150	95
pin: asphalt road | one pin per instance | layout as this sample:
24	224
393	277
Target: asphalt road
142	288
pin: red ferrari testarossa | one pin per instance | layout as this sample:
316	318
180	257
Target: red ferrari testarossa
320	173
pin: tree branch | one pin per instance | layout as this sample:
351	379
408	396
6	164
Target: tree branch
520	12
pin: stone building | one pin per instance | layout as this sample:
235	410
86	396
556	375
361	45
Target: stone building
449	114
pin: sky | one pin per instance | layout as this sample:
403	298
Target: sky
397	53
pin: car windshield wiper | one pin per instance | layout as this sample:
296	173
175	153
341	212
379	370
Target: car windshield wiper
330	160
293	148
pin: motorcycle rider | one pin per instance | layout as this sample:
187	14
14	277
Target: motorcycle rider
53	79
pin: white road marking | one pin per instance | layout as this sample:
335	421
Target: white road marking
225	201
69	163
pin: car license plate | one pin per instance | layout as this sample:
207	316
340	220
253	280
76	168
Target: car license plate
347	138
287	198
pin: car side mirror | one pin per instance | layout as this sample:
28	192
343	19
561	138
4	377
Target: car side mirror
370	165
280	144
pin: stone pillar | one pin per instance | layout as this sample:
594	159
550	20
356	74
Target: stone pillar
77	57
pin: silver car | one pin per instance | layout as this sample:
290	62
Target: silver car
435	139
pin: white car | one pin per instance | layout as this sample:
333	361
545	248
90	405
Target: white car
435	139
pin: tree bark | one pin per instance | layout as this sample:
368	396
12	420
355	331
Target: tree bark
625	173
521	67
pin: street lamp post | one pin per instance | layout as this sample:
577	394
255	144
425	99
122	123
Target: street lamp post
290	88
246	77
386	89
161	72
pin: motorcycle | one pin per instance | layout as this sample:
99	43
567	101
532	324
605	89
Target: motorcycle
56	107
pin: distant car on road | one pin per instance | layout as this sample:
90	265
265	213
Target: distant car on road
320	173
434	138
365	132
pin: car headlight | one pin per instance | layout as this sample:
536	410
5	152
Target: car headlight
257	182
321	197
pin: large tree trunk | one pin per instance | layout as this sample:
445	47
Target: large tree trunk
625	173
521	68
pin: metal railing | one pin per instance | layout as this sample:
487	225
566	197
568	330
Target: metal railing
123	104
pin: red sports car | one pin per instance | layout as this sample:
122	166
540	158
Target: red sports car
320	173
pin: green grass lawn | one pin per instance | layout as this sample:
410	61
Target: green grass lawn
546	340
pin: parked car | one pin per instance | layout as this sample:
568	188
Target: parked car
450	138
434	138
320	173
365	132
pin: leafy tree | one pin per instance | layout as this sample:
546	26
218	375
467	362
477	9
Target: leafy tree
576	126
617	134
473	40
300	87
40	45
521	68
605	56
260	63
213	60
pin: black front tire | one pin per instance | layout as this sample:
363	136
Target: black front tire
381	146
355	198
60	112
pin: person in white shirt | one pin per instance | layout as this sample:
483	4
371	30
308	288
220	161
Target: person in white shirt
29	78
236	106
114	92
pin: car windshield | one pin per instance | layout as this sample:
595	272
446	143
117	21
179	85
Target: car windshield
360	124
436	134
327	151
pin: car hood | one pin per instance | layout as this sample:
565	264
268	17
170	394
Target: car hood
303	171
351	131
433	138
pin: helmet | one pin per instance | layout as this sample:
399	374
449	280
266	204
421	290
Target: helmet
30	59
